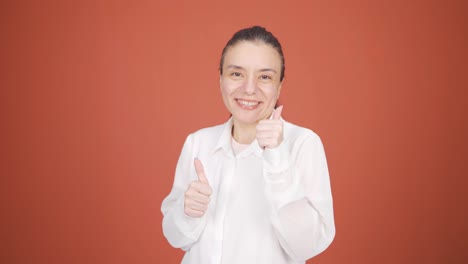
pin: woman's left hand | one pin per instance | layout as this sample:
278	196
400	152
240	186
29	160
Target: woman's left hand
270	131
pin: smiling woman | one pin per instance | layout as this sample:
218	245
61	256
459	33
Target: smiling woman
250	85
255	189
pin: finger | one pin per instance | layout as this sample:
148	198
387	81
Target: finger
196	206
269	125
269	143
269	139
201	194
193	213
268	134
201	198
199	187
277	113
200	171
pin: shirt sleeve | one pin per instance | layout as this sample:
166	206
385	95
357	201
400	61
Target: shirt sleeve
297	185
179	229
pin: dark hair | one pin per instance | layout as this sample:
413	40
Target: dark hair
255	33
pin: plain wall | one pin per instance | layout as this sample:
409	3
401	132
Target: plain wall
97	98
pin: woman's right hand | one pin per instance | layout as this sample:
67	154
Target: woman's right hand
197	195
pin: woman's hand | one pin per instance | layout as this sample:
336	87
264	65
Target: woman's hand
197	196
270	131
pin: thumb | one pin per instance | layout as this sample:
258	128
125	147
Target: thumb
277	113
200	171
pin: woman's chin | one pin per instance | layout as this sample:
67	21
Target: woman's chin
245	120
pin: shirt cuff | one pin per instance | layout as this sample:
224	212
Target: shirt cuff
282	185
276	160
191	227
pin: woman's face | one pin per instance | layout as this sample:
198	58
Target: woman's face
250	83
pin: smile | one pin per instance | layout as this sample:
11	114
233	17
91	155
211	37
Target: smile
247	104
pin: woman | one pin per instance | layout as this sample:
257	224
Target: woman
255	189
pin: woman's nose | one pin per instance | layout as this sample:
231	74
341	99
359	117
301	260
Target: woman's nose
250	86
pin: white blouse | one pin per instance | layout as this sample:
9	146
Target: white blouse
267	206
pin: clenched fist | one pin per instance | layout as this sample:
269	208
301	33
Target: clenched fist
197	195
270	131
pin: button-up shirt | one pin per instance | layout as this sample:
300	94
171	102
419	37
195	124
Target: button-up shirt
267	206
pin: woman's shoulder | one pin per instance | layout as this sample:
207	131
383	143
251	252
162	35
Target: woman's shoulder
295	132
212	133
208	139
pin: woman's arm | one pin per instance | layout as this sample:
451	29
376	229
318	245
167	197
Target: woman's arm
179	229
300	196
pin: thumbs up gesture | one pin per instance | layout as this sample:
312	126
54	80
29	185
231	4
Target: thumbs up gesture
270	131
197	195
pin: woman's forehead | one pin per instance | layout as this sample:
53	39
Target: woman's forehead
250	53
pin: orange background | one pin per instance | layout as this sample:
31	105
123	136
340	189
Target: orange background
97	98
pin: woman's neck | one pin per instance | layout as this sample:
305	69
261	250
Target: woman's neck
243	133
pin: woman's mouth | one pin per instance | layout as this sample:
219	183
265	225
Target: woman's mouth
247	104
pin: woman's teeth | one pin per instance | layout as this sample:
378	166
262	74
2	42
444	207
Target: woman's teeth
247	103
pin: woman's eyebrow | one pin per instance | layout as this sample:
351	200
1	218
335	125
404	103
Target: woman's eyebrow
234	67
267	69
